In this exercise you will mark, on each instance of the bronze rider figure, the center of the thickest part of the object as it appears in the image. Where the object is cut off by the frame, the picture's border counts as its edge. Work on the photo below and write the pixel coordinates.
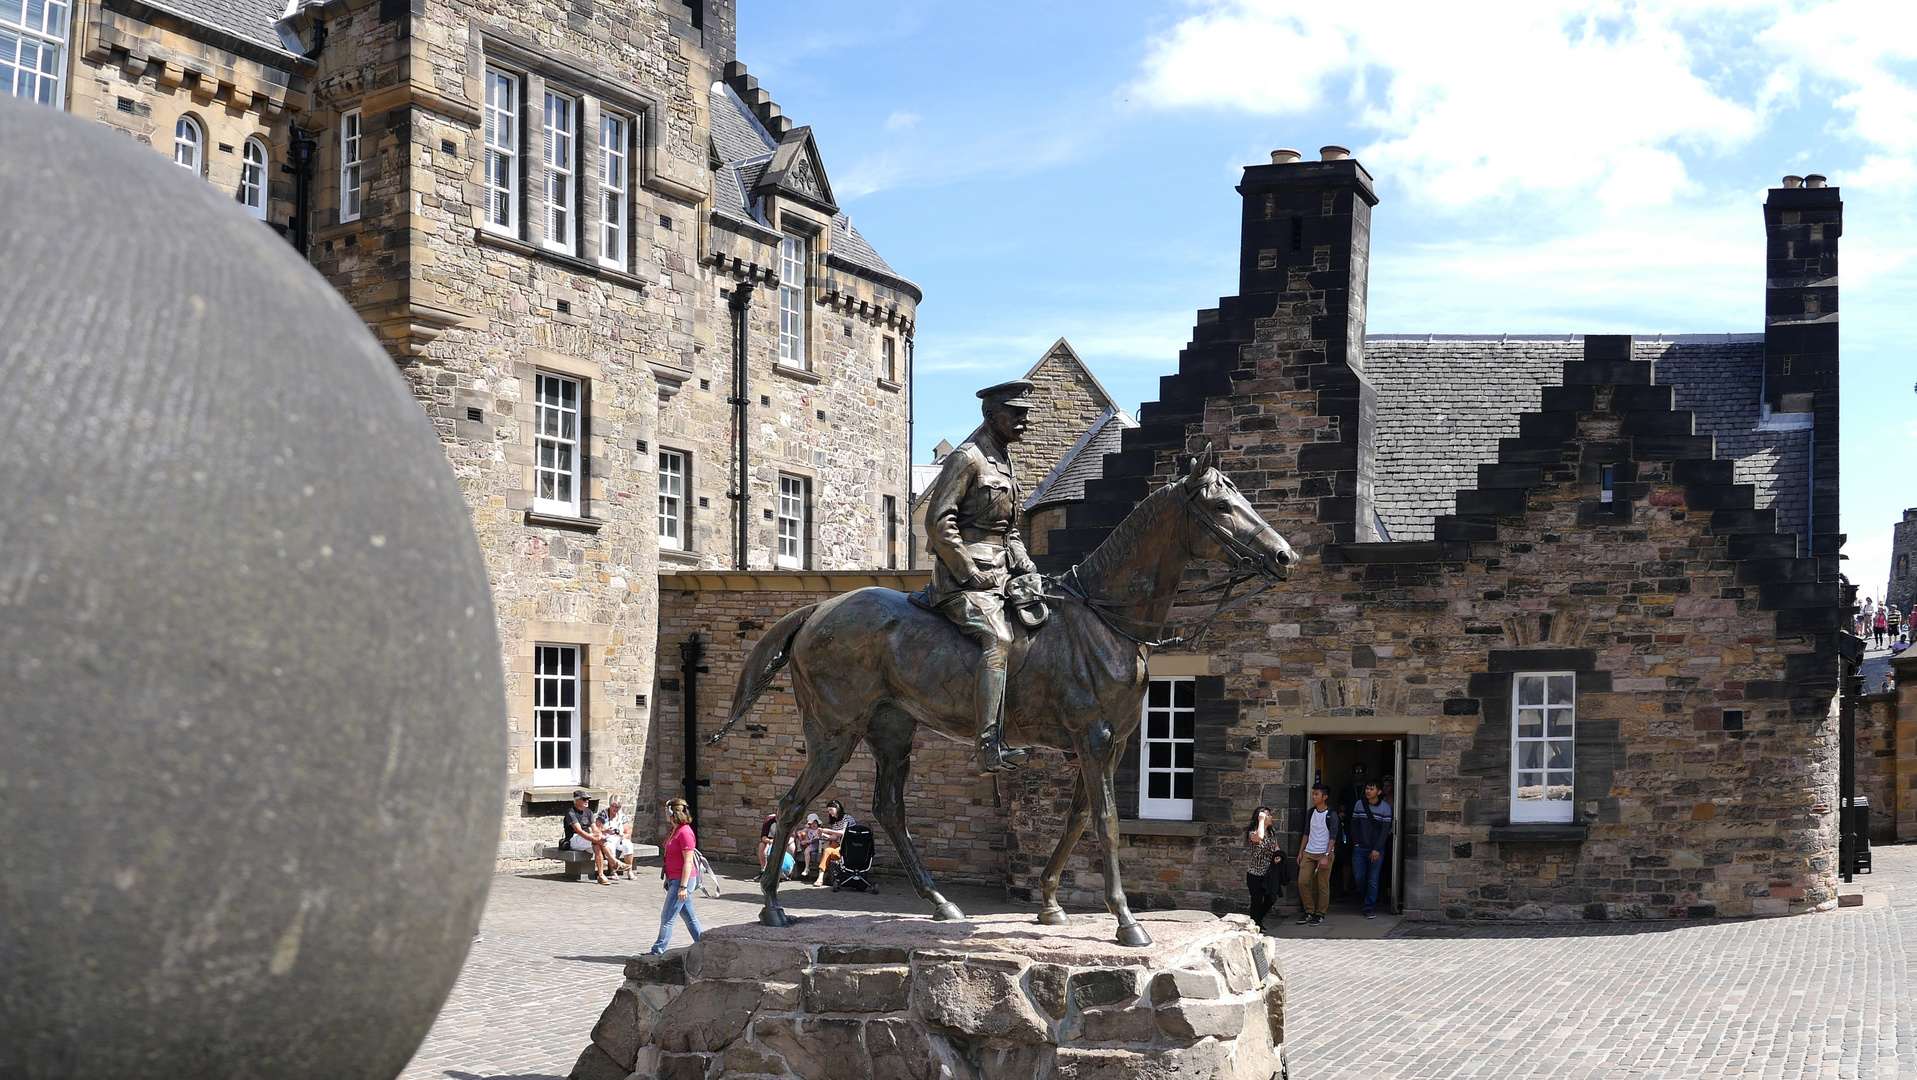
(971, 517)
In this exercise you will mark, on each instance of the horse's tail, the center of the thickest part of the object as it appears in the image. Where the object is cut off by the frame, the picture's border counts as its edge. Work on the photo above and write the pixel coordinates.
(772, 652)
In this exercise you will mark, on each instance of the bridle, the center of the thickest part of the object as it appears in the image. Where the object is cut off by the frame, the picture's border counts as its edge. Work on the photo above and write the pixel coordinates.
(1246, 565)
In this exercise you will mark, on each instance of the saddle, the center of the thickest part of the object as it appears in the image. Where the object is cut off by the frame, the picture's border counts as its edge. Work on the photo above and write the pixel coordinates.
(1024, 594)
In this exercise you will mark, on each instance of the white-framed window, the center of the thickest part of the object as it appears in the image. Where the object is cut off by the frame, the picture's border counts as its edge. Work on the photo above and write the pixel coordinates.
(792, 262)
(557, 475)
(555, 190)
(1167, 748)
(889, 509)
(612, 190)
(33, 38)
(791, 514)
(189, 145)
(252, 193)
(672, 500)
(889, 359)
(349, 159)
(1543, 725)
(502, 150)
(556, 715)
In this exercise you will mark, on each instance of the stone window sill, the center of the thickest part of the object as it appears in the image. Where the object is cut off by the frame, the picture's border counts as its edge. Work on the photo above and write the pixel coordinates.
(888, 384)
(1541, 832)
(801, 374)
(557, 258)
(561, 794)
(683, 558)
(1161, 828)
(561, 521)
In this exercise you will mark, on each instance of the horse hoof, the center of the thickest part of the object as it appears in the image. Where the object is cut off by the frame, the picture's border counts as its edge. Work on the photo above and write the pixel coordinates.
(947, 912)
(1134, 935)
(773, 916)
(1052, 916)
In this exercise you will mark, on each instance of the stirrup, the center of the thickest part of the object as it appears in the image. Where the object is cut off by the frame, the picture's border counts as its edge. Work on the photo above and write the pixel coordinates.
(994, 757)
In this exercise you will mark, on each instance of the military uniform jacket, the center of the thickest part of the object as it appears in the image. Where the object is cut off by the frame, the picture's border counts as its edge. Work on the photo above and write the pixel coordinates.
(971, 514)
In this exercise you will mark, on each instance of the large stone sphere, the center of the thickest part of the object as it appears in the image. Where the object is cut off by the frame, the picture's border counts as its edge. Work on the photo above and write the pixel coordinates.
(252, 720)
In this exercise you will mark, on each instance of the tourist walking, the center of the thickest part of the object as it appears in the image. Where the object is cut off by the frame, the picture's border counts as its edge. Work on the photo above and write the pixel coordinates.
(1315, 856)
(1370, 840)
(681, 872)
(1880, 625)
(1265, 866)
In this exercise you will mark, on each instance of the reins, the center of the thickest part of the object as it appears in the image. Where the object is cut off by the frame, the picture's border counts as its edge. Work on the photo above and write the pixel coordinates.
(1246, 561)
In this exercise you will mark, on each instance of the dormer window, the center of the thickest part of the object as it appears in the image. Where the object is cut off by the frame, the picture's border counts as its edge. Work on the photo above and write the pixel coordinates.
(792, 262)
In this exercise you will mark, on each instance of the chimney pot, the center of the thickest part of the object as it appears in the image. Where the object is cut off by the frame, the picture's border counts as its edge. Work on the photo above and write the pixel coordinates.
(1333, 153)
(1793, 181)
(1814, 180)
(1284, 157)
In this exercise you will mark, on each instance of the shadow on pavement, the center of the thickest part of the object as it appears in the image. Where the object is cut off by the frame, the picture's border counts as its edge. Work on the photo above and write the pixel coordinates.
(594, 959)
(1453, 931)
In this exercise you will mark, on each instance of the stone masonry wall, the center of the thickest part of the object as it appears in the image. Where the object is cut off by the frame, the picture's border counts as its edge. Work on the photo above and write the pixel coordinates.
(949, 808)
(1900, 590)
(139, 76)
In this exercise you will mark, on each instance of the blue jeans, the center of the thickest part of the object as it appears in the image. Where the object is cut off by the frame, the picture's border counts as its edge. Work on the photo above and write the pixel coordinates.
(675, 906)
(1367, 873)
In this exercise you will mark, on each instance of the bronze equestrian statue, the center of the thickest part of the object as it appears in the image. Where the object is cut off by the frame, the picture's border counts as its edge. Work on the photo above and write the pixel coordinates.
(971, 525)
(870, 664)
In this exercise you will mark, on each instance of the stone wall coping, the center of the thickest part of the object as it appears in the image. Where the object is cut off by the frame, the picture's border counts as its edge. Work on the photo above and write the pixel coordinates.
(802, 581)
(1163, 828)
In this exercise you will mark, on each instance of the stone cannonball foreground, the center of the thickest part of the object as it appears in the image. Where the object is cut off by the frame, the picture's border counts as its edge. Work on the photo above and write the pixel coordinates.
(992, 998)
(251, 701)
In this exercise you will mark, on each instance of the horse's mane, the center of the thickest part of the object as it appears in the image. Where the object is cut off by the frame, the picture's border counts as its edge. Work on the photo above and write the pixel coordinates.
(1122, 544)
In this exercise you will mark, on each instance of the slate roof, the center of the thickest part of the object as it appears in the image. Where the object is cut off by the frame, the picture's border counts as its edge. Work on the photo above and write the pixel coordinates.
(252, 21)
(745, 148)
(1084, 461)
(1444, 401)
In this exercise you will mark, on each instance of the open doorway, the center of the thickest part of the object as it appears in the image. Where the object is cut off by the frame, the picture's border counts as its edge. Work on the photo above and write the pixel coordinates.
(1335, 762)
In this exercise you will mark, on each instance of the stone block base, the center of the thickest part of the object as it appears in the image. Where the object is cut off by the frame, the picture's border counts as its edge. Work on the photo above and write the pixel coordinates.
(889, 997)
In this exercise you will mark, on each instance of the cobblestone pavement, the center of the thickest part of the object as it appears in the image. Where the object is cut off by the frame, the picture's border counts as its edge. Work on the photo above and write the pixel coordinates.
(1826, 995)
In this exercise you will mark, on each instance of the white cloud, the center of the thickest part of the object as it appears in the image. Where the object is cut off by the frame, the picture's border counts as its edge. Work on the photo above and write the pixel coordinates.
(1615, 99)
(901, 120)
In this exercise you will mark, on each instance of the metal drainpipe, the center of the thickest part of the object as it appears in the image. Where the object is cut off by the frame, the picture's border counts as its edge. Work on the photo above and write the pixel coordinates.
(911, 414)
(740, 302)
(1846, 766)
(302, 148)
(690, 651)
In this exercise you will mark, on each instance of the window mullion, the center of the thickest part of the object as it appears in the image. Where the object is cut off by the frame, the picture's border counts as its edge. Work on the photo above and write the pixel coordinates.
(532, 158)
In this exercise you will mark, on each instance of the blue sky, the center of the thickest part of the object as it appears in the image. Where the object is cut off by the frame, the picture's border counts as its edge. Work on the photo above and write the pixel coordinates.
(1047, 170)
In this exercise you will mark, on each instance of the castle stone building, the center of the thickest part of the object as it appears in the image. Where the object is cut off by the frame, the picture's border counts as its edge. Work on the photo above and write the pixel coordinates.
(614, 273)
(1577, 596)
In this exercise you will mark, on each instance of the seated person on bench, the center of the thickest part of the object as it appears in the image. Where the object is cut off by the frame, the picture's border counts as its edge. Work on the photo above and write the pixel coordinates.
(836, 822)
(615, 828)
(582, 833)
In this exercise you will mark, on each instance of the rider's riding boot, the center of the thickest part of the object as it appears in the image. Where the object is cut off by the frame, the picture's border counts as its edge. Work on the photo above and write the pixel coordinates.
(993, 756)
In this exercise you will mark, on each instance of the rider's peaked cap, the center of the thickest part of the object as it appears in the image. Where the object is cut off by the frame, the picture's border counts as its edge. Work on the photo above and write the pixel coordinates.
(1010, 393)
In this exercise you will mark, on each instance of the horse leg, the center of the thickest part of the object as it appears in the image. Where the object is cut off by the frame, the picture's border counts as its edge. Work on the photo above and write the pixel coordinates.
(890, 737)
(826, 754)
(1097, 757)
(1051, 914)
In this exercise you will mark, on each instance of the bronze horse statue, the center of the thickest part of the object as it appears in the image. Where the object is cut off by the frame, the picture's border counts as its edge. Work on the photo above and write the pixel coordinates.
(869, 664)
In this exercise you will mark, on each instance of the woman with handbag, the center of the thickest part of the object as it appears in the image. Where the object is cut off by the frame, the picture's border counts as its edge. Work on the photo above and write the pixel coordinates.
(1265, 872)
(681, 872)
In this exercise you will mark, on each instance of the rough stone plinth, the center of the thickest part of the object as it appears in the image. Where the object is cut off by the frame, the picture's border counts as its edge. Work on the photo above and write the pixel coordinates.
(885, 997)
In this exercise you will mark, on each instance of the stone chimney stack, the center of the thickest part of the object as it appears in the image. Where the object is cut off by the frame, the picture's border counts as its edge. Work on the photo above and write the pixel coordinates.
(1802, 223)
(1305, 248)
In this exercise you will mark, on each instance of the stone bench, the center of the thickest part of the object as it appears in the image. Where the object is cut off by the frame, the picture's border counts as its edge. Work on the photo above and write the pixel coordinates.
(891, 997)
(579, 863)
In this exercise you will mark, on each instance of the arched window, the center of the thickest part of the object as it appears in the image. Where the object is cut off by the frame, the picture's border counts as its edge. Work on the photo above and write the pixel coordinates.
(1903, 567)
(188, 144)
(252, 193)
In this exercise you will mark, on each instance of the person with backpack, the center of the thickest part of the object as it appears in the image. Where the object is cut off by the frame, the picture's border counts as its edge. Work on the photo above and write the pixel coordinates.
(1370, 839)
(681, 872)
(1316, 853)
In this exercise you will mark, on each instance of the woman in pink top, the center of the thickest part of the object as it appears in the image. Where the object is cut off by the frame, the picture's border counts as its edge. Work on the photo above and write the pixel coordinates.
(682, 871)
